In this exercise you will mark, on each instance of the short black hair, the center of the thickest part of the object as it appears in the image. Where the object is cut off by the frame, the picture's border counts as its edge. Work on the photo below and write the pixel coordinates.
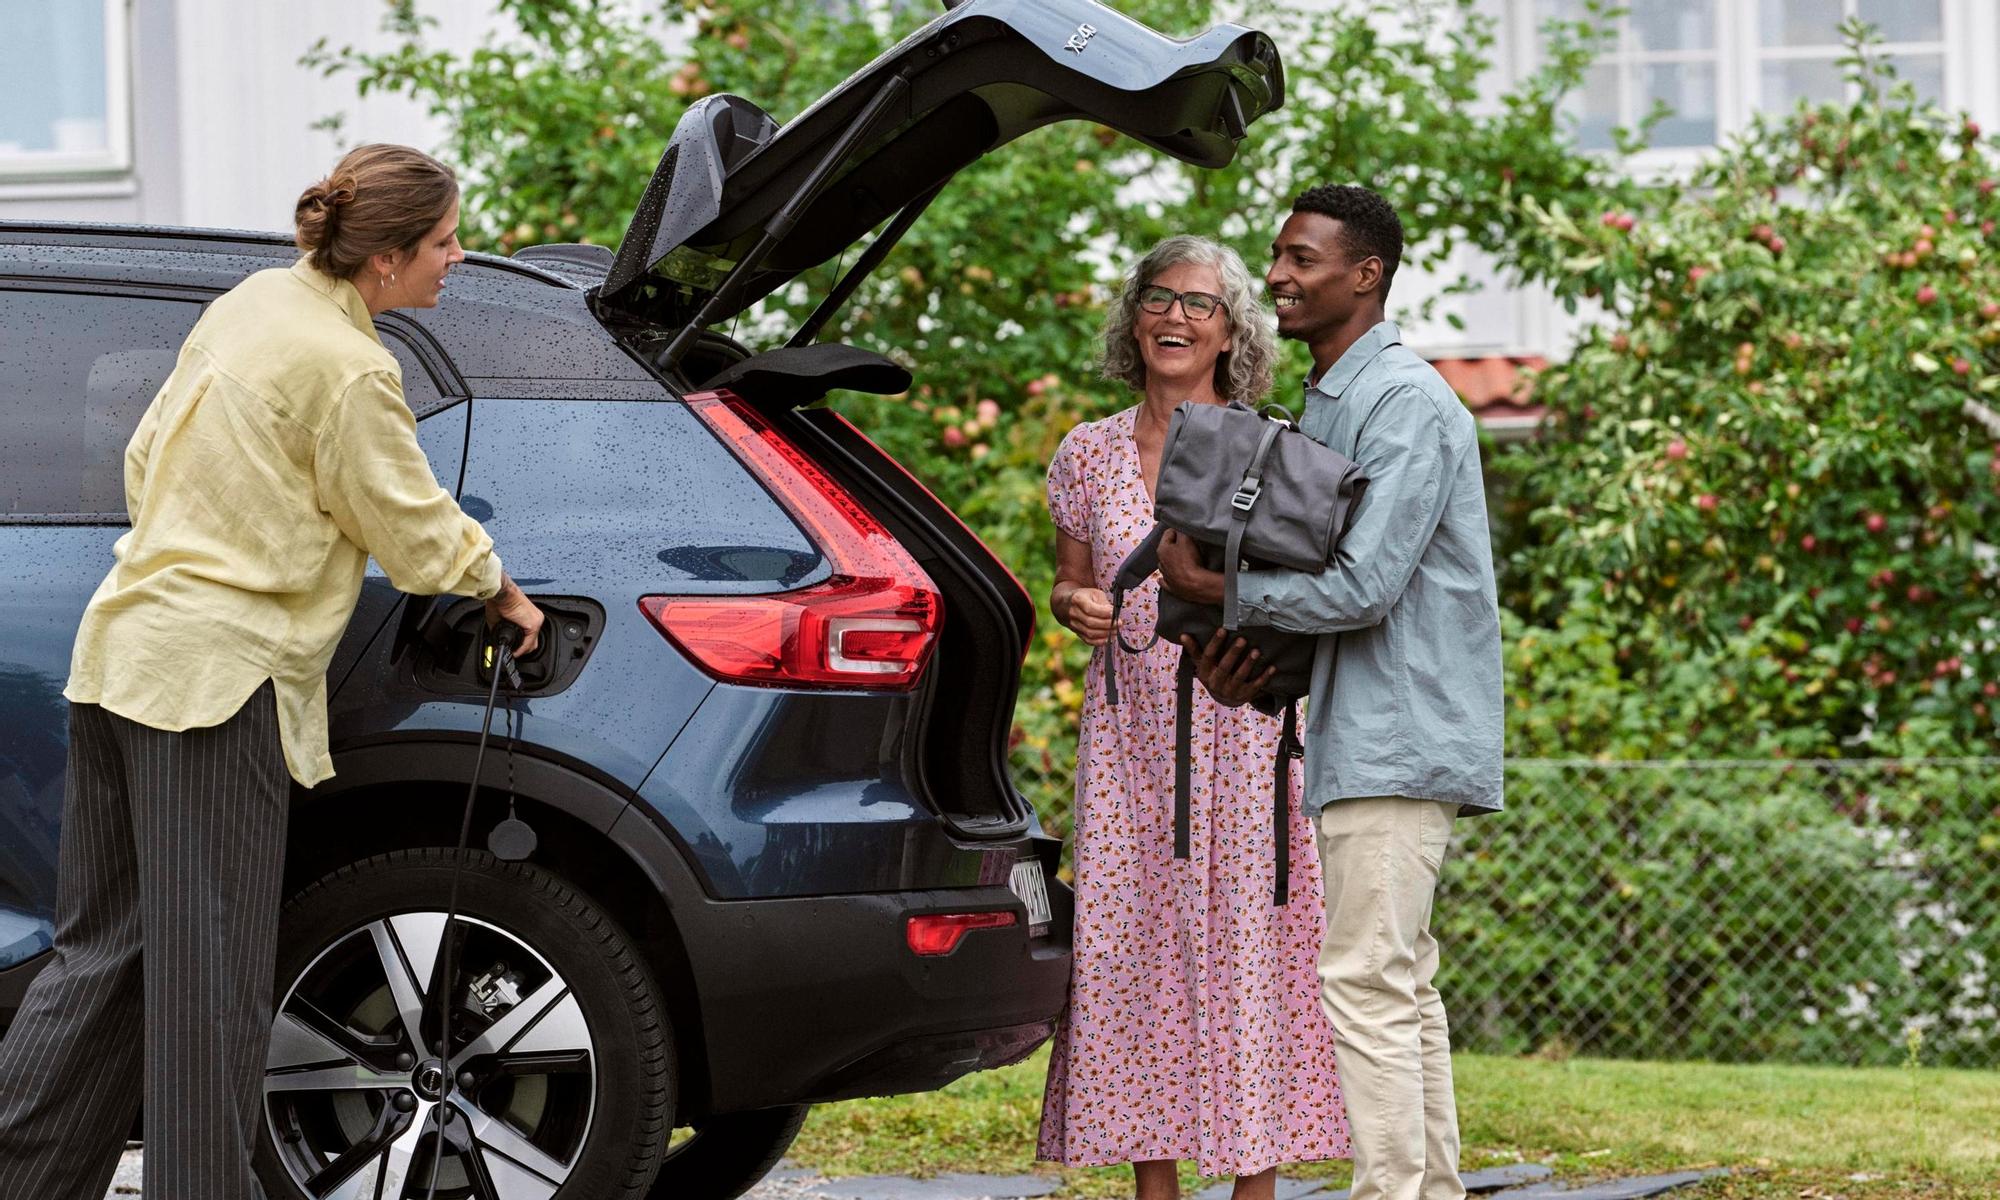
(1369, 226)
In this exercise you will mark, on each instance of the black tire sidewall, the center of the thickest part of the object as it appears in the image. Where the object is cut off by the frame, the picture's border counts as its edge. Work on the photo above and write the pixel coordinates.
(729, 1154)
(632, 1054)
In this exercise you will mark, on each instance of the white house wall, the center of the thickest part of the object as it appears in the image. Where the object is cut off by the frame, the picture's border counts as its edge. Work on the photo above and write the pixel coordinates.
(247, 108)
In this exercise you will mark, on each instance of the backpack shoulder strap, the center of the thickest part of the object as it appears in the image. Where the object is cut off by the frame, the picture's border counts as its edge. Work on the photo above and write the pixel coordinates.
(1281, 805)
(1183, 749)
(1240, 505)
(1138, 565)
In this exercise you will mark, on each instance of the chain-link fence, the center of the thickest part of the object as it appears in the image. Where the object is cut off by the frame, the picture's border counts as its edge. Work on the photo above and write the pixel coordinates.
(1734, 911)
(1802, 911)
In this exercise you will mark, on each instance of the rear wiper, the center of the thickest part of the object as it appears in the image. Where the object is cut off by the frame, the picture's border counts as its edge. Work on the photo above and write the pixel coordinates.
(782, 221)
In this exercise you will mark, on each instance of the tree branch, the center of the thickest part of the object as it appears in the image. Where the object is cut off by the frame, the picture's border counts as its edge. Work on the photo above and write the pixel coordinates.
(1980, 414)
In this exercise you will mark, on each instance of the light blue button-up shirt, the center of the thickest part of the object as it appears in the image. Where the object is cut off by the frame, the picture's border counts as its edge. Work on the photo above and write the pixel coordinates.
(1406, 694)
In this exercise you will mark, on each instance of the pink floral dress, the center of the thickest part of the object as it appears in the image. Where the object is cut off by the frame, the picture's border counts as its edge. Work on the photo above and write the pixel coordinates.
(1194, 1028)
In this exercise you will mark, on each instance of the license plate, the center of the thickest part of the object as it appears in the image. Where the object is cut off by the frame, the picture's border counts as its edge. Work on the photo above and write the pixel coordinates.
(1028, 884)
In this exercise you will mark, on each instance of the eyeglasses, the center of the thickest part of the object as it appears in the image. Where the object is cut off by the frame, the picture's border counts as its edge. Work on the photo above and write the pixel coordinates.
(1199, 306)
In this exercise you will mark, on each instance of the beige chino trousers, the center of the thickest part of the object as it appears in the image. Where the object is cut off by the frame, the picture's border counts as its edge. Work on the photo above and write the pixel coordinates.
(1380, 858)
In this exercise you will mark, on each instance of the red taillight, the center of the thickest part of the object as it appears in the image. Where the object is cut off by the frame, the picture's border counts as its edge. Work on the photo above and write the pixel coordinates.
(872, 624)
(933, 934)
(1026, 600)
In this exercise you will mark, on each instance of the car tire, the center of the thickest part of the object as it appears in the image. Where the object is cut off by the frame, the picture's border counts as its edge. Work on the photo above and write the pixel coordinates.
(728, 1154)
(561, 1042)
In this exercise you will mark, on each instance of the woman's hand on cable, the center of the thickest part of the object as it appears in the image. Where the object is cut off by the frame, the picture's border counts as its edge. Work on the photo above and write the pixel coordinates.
(1088, 614)
(512, 605)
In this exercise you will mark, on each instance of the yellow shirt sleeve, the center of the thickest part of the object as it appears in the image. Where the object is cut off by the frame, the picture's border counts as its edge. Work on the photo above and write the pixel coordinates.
(374, 481)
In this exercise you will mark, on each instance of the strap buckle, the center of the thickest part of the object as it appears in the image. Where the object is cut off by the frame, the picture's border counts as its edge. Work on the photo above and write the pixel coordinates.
(1246, 496)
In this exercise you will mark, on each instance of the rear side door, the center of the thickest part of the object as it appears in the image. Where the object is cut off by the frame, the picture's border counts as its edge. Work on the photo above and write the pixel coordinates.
(77, 368)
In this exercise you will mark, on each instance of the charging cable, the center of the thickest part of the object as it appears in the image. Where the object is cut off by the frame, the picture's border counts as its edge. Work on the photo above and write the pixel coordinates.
(505, 637)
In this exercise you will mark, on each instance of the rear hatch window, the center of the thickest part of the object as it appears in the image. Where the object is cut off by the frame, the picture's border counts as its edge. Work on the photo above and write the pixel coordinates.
(626, 490)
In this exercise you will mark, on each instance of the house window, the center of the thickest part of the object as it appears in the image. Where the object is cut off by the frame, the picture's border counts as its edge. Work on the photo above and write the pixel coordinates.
(1798, 47)
(68, 83)
(1665, 52)
(1717, 63)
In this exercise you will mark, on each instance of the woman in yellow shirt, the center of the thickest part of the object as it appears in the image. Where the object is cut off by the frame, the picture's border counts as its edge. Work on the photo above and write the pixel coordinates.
(277, 457)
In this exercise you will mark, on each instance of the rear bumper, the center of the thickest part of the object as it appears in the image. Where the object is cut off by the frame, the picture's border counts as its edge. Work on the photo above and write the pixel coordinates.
(814, 999)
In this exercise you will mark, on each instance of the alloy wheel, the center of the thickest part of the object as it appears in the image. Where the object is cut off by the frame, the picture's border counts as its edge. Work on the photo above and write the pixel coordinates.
(354, 1081)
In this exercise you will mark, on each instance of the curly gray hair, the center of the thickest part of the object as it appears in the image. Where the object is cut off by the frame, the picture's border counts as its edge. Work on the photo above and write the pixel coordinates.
(1243, 374)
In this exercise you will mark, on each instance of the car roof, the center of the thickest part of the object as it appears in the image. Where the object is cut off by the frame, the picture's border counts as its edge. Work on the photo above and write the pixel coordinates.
(510, 328)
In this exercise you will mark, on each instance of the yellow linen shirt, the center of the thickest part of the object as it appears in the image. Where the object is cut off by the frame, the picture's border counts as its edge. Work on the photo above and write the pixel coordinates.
(276, 458)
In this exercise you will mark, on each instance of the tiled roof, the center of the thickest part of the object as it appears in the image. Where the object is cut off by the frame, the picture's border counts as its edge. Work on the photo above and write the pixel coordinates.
(1495, 389)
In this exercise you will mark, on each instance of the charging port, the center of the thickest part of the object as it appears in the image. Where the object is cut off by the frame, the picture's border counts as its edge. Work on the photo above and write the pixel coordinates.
(451, 650)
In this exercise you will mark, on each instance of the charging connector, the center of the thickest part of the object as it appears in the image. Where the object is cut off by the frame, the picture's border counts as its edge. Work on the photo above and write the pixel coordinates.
(498, 656)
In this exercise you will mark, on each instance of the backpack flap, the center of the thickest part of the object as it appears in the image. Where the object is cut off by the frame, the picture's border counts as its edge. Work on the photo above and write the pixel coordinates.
(1303, 495)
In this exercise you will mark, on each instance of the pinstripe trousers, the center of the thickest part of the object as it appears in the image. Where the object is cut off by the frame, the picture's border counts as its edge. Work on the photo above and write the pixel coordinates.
(160, 982)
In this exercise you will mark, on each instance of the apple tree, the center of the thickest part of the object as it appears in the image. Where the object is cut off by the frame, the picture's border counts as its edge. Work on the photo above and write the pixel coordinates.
(1762, 519)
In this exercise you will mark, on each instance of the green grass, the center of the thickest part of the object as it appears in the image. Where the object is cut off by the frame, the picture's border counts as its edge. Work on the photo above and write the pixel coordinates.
(1792, 1132)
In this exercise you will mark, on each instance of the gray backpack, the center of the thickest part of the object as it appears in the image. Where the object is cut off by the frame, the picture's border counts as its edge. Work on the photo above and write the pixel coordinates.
(1255, 491)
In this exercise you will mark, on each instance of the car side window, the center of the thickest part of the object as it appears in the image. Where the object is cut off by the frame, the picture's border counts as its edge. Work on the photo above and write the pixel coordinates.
(76, 372)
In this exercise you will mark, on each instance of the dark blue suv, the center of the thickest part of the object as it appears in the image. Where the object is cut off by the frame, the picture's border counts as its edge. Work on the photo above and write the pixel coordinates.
(778, 857)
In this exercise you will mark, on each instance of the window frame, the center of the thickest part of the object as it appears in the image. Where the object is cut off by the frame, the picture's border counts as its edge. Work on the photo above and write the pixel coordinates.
(116, 158)
(1757, 54)
(1630, 60)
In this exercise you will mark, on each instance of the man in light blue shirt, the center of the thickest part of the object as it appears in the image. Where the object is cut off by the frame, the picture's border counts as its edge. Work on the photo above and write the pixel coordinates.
(1403, 726)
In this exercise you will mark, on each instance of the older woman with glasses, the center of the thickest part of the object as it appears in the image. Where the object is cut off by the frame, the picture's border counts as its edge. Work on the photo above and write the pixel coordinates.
(1194, 1028)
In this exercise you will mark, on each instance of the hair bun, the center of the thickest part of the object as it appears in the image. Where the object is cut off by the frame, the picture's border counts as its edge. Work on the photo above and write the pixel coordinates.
(329, 197)
(408, 193)
(319, 208)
